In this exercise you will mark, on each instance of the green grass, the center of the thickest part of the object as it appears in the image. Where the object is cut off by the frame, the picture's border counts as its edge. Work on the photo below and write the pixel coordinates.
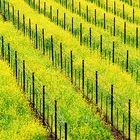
(118, 78)
(80, 52)
(135, 3)
(125, 86)
(128, 10)
(131, 28)
(17, 121)
(82, 122)
(120, 49)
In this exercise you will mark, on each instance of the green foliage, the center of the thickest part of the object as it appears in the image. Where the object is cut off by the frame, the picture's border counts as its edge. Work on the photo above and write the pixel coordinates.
(71, 106)
(16, 119)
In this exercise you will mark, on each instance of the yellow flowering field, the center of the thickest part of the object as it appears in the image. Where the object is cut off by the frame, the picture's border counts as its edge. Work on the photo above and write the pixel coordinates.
(17, 121)
(87, 57)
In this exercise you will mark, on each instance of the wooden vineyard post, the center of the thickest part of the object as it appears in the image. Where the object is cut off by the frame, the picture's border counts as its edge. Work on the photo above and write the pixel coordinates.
(101, 45)
(114, 7)
(137, 37)
(52, 47)
(114, 33)
(83, 77)
(18, 19)
(72, 26)
(130, 2)
(124, 32)
(65, 131)
(123, 12)
(106, 5)
(13, 10)
(24, 76)
(136, 132)
(24, 24)
(8, 11)
(4, 9)
(127, 57)
(43, 40)
(96, 88)
(79, 8)
(95, 17)
(36, 36)
(81, 34)
(9, 54)
(129, 119)
(66, 4)
(57, 16)
(79, 76)
(64, 21)
(39, 6)
(44, 8)
(30, 30)
(99, 3)
(61, 57)
(111, 105)
(72, 6)
(2, 48)
(55, 120)
(0, 5)
(43, 106)
(33, 90)
(133, 15)
(87, 12)
(90, 37)
(51, 12)
(113, 53)
(104, 22)
(71, 59)
(16, 64)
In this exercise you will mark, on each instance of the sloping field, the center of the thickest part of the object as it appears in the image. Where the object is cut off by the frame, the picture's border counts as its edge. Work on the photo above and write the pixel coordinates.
(58, 88)
(17, 121)
(85, 55)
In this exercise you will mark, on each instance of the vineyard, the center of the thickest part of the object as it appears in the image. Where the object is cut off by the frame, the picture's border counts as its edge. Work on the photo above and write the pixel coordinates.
(69, 70)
